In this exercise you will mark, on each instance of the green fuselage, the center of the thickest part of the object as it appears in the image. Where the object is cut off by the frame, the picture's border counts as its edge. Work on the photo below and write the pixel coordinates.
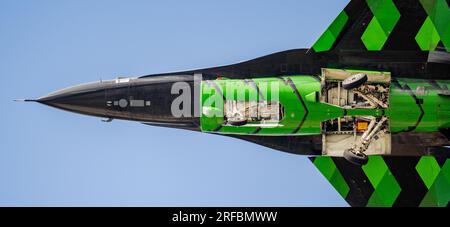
(414, 105)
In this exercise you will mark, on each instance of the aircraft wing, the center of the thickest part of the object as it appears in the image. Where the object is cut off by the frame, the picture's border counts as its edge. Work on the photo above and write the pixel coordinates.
(409, 38)
(390, 181)
(388, 25)
(380, 29)
(418, 175)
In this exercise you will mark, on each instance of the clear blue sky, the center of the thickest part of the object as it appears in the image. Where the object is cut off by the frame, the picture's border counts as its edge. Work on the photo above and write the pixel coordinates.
(49, 157)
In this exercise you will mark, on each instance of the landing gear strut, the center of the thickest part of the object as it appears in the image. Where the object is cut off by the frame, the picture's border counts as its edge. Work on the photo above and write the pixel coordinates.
(357, 134)
(356, 154)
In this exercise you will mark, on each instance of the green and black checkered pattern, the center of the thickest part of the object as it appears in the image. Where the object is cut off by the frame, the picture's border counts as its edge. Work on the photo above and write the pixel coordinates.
(376, 25)
(390, 181)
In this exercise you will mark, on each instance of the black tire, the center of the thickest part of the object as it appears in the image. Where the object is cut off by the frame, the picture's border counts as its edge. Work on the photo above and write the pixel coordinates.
(359, 159)
(354, 81)
(238, 123)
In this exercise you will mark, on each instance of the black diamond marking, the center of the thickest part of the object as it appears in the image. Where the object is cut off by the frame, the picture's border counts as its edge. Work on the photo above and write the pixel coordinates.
(413, 189)
(418, 103)
(402, 36)
(359, 17)
(442, 157)
(291, 83)
(360, 187)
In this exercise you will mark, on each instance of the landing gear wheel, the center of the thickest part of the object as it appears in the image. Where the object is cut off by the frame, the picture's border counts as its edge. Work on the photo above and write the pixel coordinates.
(354, 81)
(355, 158)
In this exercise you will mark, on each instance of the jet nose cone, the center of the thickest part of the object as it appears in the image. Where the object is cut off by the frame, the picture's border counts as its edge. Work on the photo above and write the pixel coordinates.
(85, 99)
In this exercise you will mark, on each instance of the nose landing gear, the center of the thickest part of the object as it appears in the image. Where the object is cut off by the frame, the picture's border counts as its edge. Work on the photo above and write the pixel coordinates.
(356, 154)
(359, 159)
(356, 136)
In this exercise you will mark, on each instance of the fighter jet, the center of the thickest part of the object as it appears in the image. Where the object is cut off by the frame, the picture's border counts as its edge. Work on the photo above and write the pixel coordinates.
(368, 103)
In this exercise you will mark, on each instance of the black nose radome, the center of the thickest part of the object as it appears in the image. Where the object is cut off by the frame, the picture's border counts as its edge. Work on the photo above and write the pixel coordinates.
(85, 99)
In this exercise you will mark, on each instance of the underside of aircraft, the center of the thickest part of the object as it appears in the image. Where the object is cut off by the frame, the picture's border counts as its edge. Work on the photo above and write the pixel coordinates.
(368, 103)
(403, 48)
